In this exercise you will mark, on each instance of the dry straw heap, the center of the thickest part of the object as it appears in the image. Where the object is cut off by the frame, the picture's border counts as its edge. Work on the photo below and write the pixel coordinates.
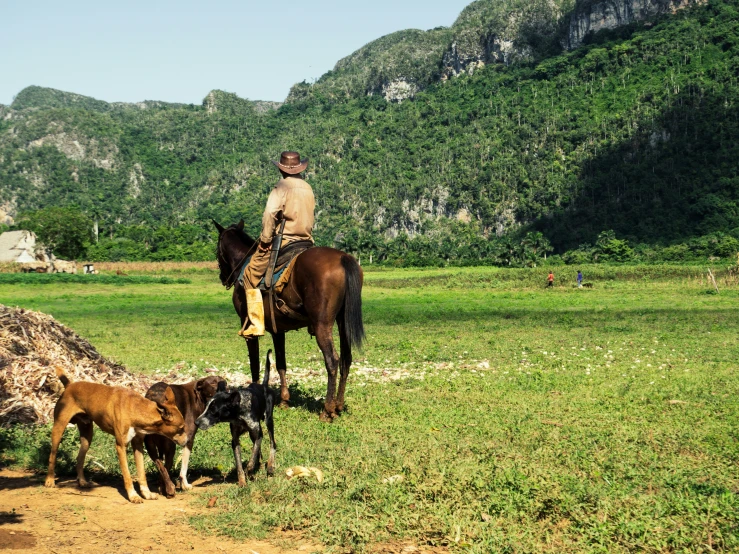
(32, 344)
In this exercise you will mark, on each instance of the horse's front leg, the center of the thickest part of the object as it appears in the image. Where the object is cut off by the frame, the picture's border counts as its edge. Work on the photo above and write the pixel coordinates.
(253, 346)
(278, 339)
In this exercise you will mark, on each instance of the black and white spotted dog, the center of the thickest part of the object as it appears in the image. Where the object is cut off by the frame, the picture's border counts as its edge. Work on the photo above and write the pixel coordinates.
(244, 409)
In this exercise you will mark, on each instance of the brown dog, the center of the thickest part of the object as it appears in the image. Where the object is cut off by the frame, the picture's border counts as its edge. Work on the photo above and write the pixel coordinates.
(126, 415)
(191, 400)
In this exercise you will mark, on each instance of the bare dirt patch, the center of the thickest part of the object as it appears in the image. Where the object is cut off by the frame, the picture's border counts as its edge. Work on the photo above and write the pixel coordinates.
(69, 519)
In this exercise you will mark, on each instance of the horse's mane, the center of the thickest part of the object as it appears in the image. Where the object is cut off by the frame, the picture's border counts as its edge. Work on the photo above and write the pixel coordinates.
(246, 239)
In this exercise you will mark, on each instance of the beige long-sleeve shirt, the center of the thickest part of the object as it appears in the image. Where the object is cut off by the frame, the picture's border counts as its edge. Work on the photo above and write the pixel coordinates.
(292, 198)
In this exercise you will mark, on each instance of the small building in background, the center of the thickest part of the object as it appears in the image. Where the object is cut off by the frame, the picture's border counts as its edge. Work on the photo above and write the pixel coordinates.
(18, 246)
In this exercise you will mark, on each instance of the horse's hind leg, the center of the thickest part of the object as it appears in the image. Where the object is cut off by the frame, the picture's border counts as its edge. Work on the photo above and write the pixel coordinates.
(278, 339)
(345, 361)
(325, 340)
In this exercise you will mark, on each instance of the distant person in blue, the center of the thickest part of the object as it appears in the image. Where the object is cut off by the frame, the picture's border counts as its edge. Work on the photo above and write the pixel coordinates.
(579, 279)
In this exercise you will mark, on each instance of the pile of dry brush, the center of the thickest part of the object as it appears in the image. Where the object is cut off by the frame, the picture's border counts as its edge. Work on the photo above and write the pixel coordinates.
(32, 345)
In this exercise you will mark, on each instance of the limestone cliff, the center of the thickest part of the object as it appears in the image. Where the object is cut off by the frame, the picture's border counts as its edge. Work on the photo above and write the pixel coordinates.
(502, 32)
(399, 65)
(591, 16)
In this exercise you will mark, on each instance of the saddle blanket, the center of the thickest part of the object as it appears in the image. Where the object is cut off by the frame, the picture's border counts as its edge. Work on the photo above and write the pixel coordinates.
(283, 267)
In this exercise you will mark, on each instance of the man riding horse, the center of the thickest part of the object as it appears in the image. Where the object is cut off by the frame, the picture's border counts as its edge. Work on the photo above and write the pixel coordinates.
(291, 202)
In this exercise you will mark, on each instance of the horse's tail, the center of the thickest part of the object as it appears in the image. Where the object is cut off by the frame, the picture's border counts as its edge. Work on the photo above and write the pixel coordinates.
(353, 326)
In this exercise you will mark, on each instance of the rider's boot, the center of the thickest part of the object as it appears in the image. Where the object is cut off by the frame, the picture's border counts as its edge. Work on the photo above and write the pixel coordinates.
(255, 309)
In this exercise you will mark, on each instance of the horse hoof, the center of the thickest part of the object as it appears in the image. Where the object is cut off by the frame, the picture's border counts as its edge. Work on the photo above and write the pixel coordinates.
(284, 405)
(326, 417)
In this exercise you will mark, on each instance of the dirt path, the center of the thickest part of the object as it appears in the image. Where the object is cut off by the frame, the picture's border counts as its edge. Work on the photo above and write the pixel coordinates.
(68, 519)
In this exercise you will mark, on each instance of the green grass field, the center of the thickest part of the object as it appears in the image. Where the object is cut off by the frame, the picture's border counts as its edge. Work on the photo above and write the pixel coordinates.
(525, 419)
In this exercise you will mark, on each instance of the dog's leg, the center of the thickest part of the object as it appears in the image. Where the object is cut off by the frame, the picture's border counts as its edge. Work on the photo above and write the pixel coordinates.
(186, 450)
(236, 445)
(120, 449)
(169, 449)
(158, 447)
(62, 416)
(270, 431)
(138, 456)
(255, 433)
(86, 430)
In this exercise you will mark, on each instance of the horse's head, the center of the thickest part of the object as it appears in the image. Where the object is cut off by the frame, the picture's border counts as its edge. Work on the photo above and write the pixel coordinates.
(233, 247)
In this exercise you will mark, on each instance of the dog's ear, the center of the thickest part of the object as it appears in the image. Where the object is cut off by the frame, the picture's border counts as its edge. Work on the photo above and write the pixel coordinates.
(221, 386)
(168, 396)
(165, 404)
(235, 398)
(164, 413)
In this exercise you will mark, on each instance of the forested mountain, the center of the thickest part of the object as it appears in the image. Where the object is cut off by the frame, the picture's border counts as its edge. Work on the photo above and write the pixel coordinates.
(633, 131)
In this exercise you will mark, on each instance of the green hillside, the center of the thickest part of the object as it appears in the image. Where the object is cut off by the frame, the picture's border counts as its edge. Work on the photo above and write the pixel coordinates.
(634, 132)
(42, 97)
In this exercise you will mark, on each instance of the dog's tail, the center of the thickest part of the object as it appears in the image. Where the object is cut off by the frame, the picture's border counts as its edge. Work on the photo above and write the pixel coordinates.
(267, 365)
(62, 376)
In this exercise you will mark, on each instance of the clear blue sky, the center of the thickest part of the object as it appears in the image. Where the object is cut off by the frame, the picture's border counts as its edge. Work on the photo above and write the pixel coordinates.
(178, 51)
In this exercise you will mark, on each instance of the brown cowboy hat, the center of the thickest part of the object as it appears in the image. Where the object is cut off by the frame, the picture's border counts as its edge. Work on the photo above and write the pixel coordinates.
(291, 163)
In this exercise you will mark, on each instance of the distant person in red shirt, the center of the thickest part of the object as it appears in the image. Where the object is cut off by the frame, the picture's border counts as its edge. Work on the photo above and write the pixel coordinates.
(550, 280)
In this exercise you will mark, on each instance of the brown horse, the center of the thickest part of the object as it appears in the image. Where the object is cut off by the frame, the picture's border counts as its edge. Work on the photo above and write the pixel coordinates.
(325, 286)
